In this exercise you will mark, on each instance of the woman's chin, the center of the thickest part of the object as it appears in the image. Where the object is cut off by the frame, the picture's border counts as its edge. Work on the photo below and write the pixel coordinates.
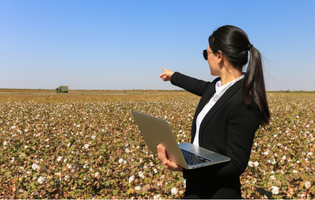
(213, 74)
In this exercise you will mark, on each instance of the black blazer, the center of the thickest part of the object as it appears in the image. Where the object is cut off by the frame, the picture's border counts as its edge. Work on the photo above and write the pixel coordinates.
(228, 128)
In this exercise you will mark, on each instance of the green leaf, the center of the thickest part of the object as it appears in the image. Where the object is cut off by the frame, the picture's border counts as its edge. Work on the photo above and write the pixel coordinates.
(115, 192)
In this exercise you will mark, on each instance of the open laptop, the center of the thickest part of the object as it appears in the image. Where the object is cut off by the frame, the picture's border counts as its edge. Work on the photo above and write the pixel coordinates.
(157, 131)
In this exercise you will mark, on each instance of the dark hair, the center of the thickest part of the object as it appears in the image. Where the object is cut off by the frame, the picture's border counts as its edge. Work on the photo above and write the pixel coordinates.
(234, 44)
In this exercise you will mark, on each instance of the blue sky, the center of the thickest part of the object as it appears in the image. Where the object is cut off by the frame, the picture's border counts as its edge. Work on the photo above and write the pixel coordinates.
(116, 44)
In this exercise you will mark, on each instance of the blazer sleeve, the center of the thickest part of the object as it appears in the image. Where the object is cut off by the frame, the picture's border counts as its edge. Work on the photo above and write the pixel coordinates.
(193, 85)
(242, 124)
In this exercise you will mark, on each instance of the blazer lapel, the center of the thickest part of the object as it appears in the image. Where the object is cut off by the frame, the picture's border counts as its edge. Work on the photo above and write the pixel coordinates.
(206, 96)
(204, 99)
(226, 96)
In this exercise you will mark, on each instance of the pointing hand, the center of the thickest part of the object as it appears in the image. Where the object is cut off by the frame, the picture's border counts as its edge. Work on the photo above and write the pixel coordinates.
(166, 75)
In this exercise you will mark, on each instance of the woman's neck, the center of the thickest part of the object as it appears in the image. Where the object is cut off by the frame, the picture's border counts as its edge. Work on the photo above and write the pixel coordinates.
(229, 74)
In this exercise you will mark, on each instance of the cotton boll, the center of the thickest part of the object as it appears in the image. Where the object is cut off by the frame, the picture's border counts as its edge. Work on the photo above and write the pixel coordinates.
(174, 191)
(157, 197)
(274, 190)
(41, 179)
(131, 178)
(138, 187)
(67, 177)
(256, 164)
(307, 184)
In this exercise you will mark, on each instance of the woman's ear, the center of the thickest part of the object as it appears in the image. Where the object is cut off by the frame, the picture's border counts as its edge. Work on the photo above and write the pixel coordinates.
(219, 52)
(220, 56)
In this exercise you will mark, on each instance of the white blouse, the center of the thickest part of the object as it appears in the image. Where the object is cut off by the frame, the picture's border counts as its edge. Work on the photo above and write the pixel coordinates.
(219, 92)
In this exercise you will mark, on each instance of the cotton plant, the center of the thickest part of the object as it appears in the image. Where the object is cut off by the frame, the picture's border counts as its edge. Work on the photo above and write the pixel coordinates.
(88, 146)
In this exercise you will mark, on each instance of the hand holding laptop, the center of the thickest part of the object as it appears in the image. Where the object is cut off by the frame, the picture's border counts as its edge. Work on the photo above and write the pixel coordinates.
(168, 164)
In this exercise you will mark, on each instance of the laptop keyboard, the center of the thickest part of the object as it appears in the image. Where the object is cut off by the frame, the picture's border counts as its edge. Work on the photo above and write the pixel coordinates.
(193, 159)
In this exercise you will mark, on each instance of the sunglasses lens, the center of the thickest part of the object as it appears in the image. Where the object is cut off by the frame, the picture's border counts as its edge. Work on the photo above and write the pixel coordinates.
(205, 54)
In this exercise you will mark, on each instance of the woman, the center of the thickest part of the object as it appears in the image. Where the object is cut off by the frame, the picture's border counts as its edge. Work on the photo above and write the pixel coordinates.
(230, 110)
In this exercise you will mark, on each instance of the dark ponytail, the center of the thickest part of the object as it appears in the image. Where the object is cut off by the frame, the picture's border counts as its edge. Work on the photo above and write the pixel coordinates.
(254, 84)
(234, 45)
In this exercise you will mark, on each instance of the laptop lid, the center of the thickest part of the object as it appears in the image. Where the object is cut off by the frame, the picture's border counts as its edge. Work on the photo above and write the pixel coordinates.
(157, 131)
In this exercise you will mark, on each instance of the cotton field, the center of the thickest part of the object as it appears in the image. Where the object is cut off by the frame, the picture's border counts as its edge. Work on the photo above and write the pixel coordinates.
(85, 144)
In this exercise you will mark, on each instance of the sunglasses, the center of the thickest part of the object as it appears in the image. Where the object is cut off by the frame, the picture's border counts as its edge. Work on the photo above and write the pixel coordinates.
(205, 54)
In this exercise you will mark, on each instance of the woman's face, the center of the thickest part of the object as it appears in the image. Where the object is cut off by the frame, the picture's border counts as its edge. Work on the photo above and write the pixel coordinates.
(213, 63)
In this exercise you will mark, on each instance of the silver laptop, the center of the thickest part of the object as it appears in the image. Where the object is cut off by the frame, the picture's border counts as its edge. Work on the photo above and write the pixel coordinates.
(157, 131)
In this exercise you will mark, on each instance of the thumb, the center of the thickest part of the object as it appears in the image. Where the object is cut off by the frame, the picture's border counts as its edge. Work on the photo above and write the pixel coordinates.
(170, 165)
(164, 73)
